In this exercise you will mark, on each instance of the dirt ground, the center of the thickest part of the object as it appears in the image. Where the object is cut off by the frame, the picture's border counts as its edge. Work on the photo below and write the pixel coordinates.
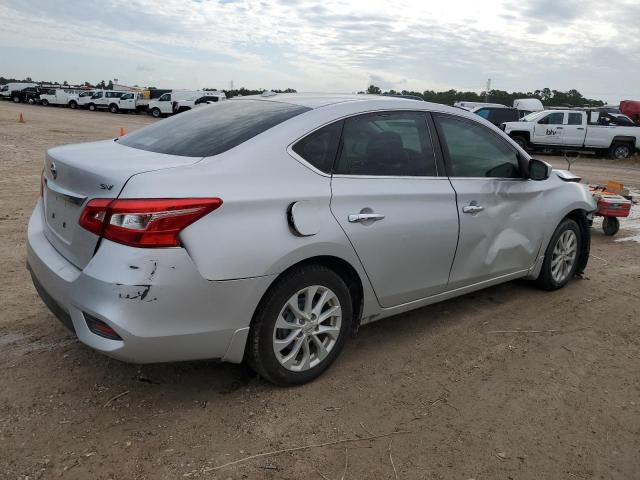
(466, 400)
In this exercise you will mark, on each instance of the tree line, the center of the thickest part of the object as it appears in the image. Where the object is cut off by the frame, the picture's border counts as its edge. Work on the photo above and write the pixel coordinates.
(548, 97)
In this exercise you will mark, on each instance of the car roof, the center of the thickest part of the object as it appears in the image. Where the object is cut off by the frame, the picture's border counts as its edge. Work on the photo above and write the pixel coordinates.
(319, 100)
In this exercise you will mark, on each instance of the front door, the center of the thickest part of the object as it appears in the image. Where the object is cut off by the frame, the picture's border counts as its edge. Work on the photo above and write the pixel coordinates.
(499, 210)
(399, 215)
(548, 130)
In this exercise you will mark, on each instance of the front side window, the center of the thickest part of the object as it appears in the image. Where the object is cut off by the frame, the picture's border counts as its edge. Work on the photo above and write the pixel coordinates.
(474, 151)
(555, 118)
(165, 97)
(575, 119)
(320, 147)
(97, 95)
(203, 132)
(391, 144)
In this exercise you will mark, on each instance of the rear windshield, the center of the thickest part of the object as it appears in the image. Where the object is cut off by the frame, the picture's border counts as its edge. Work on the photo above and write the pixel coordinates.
(211, 130)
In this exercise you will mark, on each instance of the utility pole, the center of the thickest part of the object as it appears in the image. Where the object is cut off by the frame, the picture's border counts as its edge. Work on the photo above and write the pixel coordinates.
(487, 90)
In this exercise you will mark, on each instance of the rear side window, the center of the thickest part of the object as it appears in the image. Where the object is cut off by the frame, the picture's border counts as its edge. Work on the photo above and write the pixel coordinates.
(389, 144)
(204, 132)
(484, 113)
(320, 147)
(474, 151)
(575, 119)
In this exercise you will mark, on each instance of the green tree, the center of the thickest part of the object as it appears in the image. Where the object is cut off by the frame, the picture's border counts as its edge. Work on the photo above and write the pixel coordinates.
(374, 90)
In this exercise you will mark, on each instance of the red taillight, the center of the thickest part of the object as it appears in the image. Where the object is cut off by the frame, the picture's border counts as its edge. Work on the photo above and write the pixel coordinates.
(154, 222)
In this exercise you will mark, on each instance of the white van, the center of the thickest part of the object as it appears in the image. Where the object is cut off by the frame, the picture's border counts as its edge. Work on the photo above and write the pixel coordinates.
(164, 104)
(5, 90)
(528, 105)
(60, 96)
(105, 99)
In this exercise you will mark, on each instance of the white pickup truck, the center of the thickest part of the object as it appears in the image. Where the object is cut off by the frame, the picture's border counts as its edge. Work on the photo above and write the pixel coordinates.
(128, 102)
(574, 130)
(181, 100)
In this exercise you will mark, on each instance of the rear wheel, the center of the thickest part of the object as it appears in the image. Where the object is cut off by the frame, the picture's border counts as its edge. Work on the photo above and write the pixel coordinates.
(610, 225)
(45, 102)
(92, 107)
(561, 256)
(113, 108)
(300, 326)
(73, 104)
(521, 141)
(620, 150)
(16, 99)
(156, 112)
(31, 101)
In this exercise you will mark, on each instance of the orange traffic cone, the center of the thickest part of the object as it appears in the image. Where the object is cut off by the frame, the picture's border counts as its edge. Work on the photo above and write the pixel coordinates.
(121, 131)
(21, 119)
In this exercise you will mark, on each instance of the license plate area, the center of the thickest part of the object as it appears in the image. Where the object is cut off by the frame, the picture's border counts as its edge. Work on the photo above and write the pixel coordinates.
(62, 211)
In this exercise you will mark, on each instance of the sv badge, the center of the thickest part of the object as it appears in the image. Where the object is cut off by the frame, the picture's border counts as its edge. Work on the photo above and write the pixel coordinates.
(106, 186)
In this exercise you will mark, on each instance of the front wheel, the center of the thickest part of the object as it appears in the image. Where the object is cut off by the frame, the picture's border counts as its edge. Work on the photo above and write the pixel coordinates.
(156, 112)
(521, 141)
(16, 99)
(92, 107)
(31, 101)
(113, 108)
(73, 104)
(300, 326)
(561, 256)
(45, 102)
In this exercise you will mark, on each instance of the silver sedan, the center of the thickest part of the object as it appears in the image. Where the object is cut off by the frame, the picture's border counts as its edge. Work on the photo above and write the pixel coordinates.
(268, 229)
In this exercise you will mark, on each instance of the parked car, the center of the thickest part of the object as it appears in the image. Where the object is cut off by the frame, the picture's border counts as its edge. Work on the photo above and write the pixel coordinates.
(471, 105)
(129, 102)
(182, 105)
(267, 229)
(167, 102)
(60, 96)
(105, 100)
(497, 115)
(575, 130)
(84, 98)
(29, 95)
(7, 89)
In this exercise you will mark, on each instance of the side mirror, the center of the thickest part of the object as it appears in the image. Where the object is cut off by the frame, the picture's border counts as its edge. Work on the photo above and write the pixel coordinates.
(539, 170)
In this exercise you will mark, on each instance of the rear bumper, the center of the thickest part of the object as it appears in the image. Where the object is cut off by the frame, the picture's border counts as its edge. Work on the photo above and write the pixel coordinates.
(155, 299)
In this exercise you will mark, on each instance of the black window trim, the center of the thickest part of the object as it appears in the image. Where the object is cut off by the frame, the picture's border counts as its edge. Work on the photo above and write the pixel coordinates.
(440, 169)
(522, 161)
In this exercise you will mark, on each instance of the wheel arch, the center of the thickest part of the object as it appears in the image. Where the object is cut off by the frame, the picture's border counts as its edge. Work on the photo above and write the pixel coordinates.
(344, 269)
(521, 133)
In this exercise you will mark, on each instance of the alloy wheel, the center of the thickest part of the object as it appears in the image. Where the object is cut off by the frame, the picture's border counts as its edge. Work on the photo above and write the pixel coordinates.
(307, 328)
(621, 151)
(564, 255)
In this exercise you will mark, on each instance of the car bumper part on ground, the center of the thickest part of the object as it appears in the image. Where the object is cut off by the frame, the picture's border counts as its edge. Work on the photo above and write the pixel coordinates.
(155, 299)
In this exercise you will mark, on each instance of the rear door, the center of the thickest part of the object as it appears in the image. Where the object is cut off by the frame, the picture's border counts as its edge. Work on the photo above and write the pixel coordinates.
(575, 128)
(499, 211)
(399, 215)
(548, 129)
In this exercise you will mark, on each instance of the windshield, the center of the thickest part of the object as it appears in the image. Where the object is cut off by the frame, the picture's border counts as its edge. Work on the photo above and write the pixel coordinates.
(204, 132)
(532, 116)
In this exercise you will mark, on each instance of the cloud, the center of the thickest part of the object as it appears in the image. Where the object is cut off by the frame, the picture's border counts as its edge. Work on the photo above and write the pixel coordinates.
(333, 46)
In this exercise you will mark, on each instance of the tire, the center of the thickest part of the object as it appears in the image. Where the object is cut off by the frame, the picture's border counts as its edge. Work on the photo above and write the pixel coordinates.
(556, 272)
(31, 101)
(92, 107)
(156, 112)
(73, 104)
(620, 150)
(113, 108)
(610, 225)
(521, 141)
(45, 102)
(300, 359)
(16, 99)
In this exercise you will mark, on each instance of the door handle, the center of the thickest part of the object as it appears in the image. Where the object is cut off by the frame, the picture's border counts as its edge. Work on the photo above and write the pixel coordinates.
(472, 209)
(559, 128)
(580, 128)
(363, 217)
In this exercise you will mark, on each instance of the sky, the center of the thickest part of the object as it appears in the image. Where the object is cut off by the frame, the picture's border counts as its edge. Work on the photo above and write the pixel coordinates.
(330, 46)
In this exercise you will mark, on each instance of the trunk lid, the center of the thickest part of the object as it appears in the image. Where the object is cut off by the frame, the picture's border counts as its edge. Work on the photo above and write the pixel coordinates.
(74, 174)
